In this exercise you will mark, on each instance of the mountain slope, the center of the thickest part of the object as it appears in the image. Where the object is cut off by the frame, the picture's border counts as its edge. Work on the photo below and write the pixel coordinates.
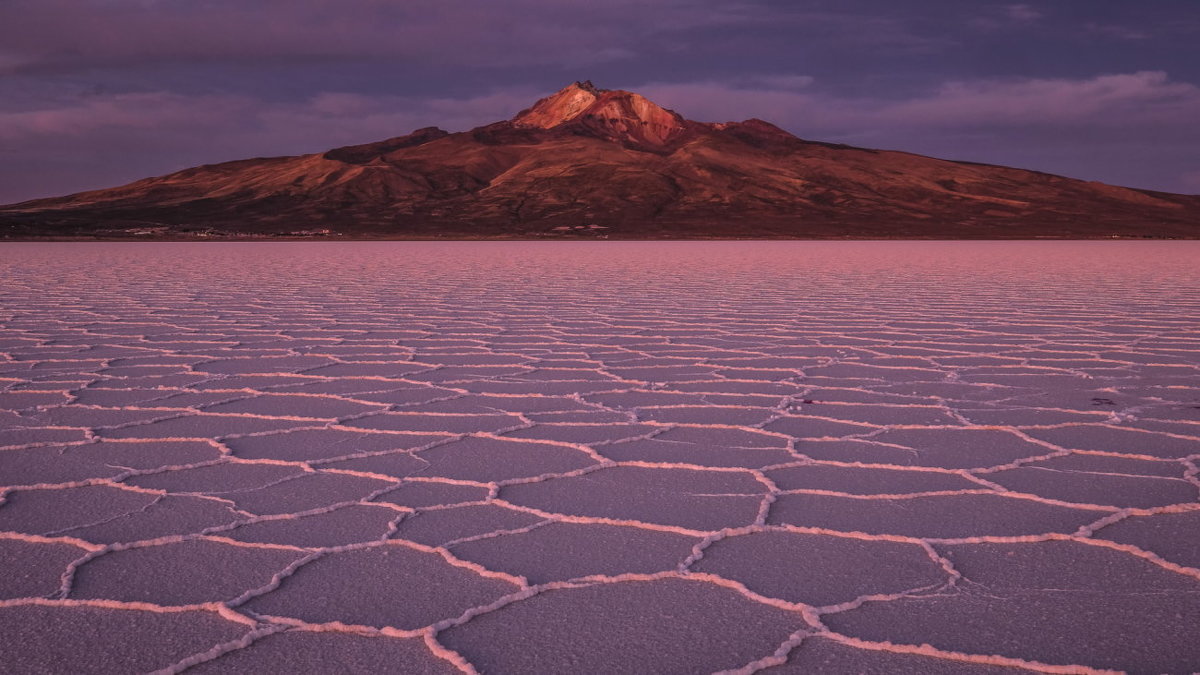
(593, 162)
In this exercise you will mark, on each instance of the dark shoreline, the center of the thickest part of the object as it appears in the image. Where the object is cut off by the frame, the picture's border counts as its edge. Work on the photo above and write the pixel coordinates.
(253, 239)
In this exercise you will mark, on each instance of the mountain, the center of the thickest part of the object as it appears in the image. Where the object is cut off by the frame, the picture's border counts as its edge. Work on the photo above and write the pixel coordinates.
(589, 162)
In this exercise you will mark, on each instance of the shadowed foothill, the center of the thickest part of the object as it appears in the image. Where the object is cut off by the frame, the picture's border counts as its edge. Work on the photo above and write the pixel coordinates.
(591, 163)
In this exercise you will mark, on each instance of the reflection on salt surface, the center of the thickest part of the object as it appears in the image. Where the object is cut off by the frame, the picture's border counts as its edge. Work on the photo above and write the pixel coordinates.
(868, 450)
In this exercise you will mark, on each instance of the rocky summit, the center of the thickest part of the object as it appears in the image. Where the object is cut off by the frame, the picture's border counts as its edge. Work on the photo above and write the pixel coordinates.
(587, 162)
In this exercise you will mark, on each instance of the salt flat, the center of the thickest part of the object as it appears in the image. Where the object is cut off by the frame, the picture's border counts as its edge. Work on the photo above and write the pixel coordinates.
(610, 457)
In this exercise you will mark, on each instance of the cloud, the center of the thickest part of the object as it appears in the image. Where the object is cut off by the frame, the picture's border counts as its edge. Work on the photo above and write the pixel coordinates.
(92, 140)
(1109, 100)
(82, 36)
(135, 112)
(1190, 182)
(1055, 124)
(1127, 128)
(1006, 17)
(1117, 99)
(73, 34)
(1022, 13)
(781, 81)
(326, 118)
(1130, 101)
(1115, 31)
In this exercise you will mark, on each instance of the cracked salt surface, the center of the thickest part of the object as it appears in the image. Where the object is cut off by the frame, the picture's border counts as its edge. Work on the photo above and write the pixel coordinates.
(619, 457)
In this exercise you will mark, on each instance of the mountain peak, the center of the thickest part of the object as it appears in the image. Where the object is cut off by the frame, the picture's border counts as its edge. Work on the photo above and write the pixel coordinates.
(587, 85)
(614, 115)
(560, 107)
(592, 162)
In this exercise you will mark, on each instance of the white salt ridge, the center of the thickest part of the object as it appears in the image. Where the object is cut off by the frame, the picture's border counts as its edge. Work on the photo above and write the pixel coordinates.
(651, 389)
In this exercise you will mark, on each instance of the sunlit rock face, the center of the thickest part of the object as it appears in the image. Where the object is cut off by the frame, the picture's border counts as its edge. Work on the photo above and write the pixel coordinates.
(619, 116)
(563, 106)
(587, 162)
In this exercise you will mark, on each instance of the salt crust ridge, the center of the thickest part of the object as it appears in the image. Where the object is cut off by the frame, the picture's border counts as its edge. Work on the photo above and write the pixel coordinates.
(29, 347)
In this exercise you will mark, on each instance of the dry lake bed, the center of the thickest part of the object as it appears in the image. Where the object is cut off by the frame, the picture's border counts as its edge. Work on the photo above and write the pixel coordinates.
(604, 457)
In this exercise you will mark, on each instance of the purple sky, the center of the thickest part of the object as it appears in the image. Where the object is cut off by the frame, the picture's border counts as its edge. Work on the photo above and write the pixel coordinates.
(95, 93)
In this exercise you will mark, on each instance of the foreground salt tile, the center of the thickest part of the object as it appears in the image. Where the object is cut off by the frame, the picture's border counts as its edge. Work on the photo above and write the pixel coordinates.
(1097, 488)
(264, 364)
(1186, 430)
(147, 455)
(703, 500)
(416, 494)
(639, 399)
(707, 454)
(497, 459)
(178, 380)
(184, 573)
(880, 395)
(308, 491)
(867, 481)
(203, 425)
(710, 414)
(436, 527)
(250, 383)
(357, 523)
(666, 625)
(1120, 440)
(216, 479)
(455, 424)
(1045, 602)
(195, 399)
(842, 371)
(809, 426)
(736, 387)
(880, 415)
(25, 436)
(339, 653)
(92, 418)
(1170, 535)
(1111, 464)
(169, 516)
(547, 388)
(451, 375)
(390, 394)
(962, 448)
(98, 638)
(33, 466)
(708, 434)
(322, 444)
(50, 511)
(33, 567)
(122, 397)
(585, 417)
(388, 464)
(562, 551)
(23, 400)
(493, 404)
(396, 370)
(943, 516)
(823, 655)
(384, 586)
(1024, 416)
(294, 405)
(817, 572)
(583, 433)
(855, 450)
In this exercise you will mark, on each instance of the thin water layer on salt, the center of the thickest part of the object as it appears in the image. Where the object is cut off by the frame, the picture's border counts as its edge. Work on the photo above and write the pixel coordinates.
(701, 456)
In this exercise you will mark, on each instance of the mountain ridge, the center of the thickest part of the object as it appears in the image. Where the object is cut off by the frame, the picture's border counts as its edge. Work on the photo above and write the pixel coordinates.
(592, 162)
